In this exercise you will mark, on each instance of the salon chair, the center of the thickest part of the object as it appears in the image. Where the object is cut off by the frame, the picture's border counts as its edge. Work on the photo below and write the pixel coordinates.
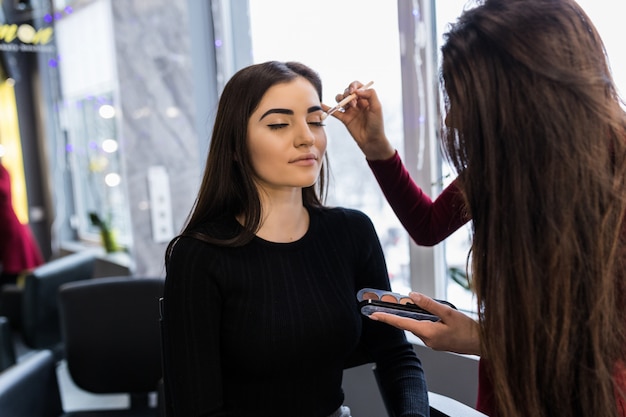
(29, 388)
(110, 329)
(40, 313)
(7, 346)
(11, 304)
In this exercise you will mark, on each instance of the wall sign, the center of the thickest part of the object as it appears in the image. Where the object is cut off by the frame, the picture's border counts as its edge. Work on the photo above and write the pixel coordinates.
(25, 38)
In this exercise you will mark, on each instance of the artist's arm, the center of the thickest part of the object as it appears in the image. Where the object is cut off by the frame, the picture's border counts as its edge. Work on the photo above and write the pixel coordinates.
(427, 222)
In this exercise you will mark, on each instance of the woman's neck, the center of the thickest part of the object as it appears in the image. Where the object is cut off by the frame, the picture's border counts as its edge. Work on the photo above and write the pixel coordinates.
(284, 218)
(284, 223)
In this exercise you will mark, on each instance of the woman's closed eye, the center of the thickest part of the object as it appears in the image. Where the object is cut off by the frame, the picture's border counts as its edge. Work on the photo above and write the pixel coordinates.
(276, 126)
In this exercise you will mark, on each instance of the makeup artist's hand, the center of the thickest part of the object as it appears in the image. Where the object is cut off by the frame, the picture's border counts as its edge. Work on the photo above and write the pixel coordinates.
(364, 119)
(455, 332)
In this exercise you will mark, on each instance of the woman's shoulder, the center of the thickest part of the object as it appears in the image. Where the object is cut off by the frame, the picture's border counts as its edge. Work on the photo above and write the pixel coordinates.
(203, 237)
(187, 247)
(342, 215)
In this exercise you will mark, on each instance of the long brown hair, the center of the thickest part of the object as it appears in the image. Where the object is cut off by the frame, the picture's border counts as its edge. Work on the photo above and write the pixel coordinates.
(228, 187)
(536, 132)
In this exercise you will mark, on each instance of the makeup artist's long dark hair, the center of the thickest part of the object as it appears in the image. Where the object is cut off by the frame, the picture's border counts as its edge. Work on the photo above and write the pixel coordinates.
(537, 135)
(228, 188)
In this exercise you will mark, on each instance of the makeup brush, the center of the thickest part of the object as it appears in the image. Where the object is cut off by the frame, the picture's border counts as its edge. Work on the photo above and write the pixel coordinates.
(345, 101)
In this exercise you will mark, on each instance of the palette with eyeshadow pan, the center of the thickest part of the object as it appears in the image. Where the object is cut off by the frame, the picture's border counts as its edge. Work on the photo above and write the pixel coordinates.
(372, 300)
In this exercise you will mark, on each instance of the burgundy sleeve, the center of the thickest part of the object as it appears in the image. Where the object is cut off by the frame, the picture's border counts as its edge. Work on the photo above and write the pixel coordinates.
(427, 222)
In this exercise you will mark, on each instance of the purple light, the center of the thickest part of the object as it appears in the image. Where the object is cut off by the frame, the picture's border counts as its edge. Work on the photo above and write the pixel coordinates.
(93, 145)
(69, 148)
(53, 63)
(58, 16)
(218, 43)
(47, 18)
(69, 10)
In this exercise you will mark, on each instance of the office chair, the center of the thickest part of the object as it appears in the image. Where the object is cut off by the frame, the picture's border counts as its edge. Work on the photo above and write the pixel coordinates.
(111, 334)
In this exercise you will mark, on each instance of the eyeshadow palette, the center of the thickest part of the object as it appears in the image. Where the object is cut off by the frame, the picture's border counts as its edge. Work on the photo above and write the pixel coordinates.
(372, 300)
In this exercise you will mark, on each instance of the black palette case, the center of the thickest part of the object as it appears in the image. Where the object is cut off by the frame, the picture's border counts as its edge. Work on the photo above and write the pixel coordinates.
(373, 300)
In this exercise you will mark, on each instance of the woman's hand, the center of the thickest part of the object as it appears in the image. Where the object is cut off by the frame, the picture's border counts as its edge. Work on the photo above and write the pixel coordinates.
(364, 119)
(455, 332)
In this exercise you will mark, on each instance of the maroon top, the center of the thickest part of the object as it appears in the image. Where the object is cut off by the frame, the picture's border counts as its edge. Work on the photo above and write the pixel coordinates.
(18, 249)
(427, 222)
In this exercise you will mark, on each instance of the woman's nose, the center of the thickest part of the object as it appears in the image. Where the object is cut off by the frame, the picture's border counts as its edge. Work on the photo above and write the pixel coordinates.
(304, 136)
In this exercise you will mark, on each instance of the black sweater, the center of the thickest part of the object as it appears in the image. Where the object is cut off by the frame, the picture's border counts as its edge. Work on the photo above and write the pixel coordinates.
(265, 329)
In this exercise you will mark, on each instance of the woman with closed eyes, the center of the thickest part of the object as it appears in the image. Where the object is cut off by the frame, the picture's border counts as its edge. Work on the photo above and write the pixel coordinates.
(260, 310)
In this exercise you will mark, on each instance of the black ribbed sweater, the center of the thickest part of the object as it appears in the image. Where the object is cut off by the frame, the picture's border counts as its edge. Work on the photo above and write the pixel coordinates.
(265, 329)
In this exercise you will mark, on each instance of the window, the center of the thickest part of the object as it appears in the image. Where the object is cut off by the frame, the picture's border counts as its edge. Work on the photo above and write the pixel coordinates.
(92, 148)
(89, 119)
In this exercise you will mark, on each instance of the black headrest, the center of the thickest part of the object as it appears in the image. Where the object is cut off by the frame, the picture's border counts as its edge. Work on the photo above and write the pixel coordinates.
(7, 348)
(40, 318)
(30, 387)
(111, 333)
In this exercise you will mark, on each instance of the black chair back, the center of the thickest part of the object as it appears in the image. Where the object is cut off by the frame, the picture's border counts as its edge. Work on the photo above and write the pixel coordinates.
(111, 333)
(30, 387)
(40, 313)
(7, 346)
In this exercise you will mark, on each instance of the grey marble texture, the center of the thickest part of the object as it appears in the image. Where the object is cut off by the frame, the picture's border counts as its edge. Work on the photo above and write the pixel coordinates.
(155, 92)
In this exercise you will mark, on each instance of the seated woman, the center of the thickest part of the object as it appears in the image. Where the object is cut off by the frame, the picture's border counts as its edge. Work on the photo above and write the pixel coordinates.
(260, 308)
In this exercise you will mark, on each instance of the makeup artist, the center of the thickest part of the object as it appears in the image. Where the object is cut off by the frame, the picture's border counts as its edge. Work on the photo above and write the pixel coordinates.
(260, 311)
(536, 129)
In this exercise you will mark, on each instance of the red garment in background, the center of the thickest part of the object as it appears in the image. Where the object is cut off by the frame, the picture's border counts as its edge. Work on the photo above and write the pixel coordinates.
(18, 249)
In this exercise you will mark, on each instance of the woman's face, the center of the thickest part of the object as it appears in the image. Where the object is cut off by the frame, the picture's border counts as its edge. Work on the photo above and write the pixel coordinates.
(286, 137)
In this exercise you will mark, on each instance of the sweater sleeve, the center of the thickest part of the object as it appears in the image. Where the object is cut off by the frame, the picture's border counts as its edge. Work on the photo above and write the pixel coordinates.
(191, 317)
(399, 369)
(427, 222)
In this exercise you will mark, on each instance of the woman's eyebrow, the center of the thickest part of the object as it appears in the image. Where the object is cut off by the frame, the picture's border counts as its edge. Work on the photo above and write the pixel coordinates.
(289, 112)
(280, 111)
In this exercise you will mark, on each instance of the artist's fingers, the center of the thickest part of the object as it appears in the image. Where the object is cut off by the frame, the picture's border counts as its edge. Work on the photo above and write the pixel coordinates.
(351, 88)
(429, 304)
